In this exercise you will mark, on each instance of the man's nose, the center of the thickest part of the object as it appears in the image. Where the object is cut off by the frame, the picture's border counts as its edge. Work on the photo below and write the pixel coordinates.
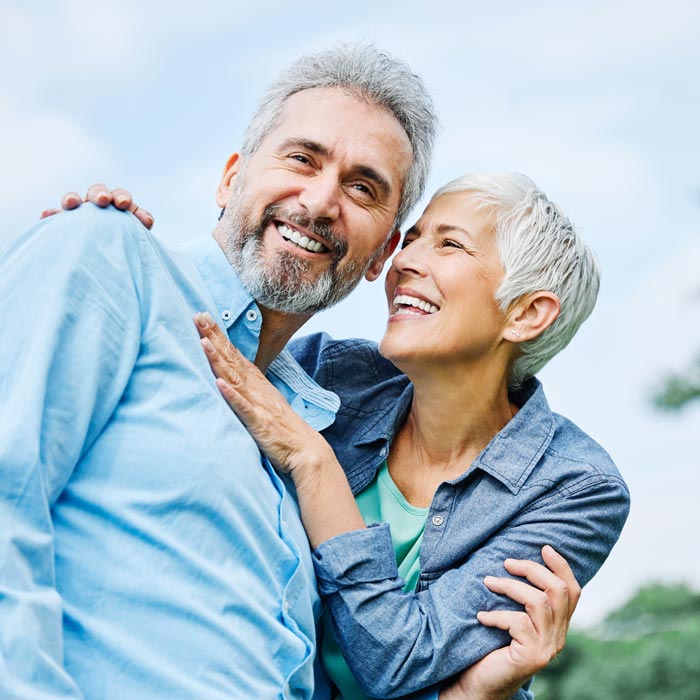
(321, 197)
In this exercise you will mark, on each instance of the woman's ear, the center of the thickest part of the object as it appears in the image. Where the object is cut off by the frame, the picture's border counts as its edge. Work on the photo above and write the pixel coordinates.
(531, 316)
(223, 191)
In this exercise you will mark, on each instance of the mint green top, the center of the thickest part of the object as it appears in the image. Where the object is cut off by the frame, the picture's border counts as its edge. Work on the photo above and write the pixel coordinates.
(380, 502)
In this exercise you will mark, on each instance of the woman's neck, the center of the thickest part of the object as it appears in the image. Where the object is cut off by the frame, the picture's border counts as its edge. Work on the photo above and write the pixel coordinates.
(454, 414)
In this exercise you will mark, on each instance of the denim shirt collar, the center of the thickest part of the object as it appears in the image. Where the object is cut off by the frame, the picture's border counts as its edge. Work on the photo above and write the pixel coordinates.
(512, 453)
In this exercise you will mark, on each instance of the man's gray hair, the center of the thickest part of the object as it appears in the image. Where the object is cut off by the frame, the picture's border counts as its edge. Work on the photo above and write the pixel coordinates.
(383, 81)
(540, 250)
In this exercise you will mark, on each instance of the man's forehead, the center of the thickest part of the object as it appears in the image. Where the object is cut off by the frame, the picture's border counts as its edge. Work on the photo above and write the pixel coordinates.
(335, 119)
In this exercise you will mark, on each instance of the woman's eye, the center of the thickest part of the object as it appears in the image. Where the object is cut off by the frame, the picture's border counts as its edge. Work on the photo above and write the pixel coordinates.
(406, 241)
(449, 243)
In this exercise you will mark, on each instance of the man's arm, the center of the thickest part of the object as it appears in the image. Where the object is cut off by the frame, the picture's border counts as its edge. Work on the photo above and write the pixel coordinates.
(69, 312)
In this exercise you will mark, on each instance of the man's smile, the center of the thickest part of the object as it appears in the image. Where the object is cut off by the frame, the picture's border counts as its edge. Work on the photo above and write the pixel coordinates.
(302, 239)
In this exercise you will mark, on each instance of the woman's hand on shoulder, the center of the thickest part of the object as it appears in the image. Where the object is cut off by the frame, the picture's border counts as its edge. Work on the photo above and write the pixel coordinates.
(282, 435)
(537, 635)
(100, 195)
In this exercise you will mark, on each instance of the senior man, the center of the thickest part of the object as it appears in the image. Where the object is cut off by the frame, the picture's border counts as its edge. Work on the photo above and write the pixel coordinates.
(146, 551)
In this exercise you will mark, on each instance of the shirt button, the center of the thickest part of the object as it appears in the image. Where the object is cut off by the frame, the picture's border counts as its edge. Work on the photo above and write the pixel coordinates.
(252, 315)
(438, 520)
(226, 315)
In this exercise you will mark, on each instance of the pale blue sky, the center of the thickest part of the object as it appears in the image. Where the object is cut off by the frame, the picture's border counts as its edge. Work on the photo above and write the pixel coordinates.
(599, 102)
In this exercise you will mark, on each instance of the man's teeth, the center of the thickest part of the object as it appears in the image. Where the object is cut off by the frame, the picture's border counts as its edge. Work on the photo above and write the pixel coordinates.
(403, 300)
(302, 241)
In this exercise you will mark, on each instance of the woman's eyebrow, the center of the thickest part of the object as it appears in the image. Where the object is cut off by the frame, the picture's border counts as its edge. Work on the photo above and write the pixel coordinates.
(447, 228)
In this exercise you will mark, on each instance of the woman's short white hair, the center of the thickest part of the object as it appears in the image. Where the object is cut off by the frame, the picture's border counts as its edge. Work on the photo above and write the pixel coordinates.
(540, 250)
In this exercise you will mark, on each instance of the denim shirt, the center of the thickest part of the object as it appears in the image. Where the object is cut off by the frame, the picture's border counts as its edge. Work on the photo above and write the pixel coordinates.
(539, 481)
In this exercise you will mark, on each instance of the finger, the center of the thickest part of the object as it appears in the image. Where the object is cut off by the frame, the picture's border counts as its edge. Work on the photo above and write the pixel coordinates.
(234, 398)
(507, 620)
(519, 591)
(49, 212)
(145, 217)
(217, 363)
(554, 586)
(71, 200)
(122, 198)
(526, 645)
(560, 567)
(208, 328)
(99, 194)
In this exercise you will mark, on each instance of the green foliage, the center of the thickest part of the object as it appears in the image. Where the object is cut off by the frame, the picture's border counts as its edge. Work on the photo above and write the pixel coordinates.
(678, 390)
(648, 648)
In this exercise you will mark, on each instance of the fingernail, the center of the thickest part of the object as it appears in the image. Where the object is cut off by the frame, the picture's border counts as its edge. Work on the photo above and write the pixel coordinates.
(148, 220)
(208, 347)
(120, 200)
(201, 320)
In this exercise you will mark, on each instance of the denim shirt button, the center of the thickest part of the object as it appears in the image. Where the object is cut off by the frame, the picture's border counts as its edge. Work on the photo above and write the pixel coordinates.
(438, 520)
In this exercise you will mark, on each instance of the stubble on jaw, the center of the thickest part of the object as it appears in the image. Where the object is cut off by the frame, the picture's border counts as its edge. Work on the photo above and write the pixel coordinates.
(286, 283)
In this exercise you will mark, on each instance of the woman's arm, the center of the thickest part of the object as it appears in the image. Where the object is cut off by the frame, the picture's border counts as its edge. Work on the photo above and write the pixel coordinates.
(390, 637)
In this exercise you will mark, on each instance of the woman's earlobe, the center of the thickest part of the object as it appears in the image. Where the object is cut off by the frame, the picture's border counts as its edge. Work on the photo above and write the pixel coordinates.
(532, 316)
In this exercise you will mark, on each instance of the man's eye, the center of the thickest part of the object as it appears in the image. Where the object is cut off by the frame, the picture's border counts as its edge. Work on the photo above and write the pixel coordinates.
(301, 158)
(363, 189)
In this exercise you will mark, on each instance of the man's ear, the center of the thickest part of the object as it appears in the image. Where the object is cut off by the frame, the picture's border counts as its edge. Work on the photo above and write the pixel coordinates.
(223, 191)
(375, 269)
(531, 316)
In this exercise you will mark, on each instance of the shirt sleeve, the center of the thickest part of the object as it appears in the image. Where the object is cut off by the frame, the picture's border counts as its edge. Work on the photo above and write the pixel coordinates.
(397, 643)
(69, 312)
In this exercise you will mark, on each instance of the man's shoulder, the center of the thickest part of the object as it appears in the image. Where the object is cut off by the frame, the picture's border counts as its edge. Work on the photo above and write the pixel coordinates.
(88, 232)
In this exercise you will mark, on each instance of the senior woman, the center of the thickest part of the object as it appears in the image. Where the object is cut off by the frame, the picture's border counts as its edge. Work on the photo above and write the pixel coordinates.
(444, 437)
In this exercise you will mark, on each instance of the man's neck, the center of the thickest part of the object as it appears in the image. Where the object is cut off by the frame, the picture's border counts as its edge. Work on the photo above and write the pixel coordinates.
(277, 330)
(277, 327)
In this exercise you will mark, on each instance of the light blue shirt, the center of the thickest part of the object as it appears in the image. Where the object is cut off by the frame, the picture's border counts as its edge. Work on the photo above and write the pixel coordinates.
(146, 550)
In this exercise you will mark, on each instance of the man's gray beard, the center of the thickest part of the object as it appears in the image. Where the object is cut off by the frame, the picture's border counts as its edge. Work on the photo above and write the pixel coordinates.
(281, 284)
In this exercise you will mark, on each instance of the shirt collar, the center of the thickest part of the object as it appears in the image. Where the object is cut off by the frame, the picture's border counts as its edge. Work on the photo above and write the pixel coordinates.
(512, 453)
(232, 298)
(237, 308)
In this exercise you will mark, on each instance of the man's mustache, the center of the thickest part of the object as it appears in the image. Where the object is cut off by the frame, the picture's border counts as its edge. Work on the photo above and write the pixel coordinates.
(337, 245)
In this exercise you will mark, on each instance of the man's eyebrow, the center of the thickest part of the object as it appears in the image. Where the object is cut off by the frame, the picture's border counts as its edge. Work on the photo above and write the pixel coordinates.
(377, 178)
(319, 149)
(313, 146)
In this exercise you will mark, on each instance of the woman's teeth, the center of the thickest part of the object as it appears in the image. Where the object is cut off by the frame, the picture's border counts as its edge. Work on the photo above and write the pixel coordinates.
(304, 242)
(402, 301)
